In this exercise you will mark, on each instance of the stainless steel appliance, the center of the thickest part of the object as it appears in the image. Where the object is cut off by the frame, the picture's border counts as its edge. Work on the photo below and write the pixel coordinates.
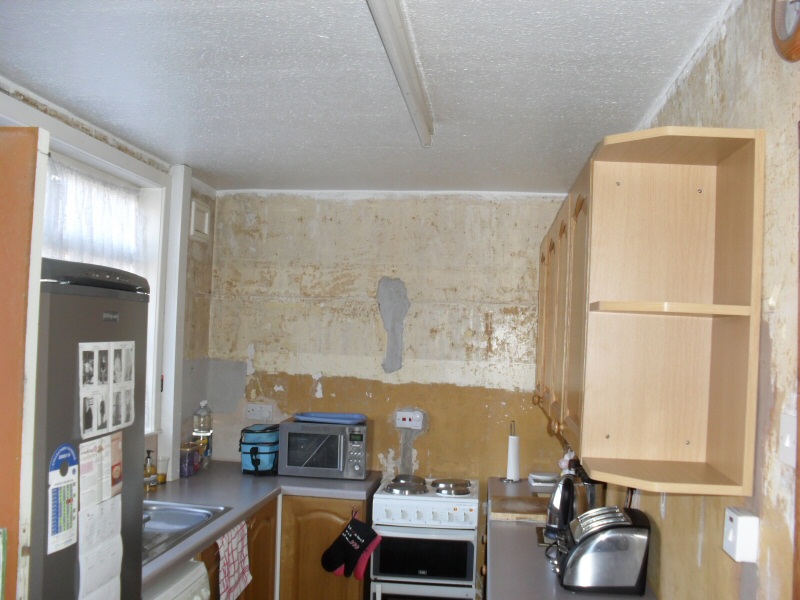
(89, 433)
(606, 552)
(572, 496)
(429, 546)
(323, 445)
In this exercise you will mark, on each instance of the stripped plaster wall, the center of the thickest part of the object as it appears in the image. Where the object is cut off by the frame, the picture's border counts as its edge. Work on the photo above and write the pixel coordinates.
(295, 285)
(737, 80)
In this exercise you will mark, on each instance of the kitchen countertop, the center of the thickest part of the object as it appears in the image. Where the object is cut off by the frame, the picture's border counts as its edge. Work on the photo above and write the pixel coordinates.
(516, 564)
(223, 484)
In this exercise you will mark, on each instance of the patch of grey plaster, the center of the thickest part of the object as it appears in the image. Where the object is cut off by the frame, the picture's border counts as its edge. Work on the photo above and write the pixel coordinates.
(318, 392)
(408, 463)
(393, 305)
(221, 382)
(278, 388)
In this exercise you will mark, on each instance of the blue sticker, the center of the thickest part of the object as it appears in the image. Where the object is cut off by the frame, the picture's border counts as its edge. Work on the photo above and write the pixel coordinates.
(65, 452)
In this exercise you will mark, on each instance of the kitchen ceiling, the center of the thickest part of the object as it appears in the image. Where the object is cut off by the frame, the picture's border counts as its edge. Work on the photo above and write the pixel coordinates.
(299, 94)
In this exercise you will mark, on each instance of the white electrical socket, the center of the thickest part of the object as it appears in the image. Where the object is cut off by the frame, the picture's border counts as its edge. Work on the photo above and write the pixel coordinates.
(740, 534)
(787, 449)
(409, 419)
(259, 412)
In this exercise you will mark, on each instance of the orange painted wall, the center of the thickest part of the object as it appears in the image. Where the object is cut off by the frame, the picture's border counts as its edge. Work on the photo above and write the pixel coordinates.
(18, 147)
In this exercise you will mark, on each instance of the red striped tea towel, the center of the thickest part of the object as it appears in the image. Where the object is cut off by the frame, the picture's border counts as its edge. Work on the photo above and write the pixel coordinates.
(234, 563)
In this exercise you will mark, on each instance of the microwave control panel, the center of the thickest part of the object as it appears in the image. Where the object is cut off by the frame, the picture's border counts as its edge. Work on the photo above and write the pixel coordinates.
(355, 453)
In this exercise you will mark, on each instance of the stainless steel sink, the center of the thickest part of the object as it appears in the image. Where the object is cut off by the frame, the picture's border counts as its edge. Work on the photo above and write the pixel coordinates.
(164, 524)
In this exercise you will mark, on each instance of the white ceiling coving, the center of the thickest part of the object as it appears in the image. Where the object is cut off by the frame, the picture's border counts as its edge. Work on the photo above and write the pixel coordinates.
(299, 94)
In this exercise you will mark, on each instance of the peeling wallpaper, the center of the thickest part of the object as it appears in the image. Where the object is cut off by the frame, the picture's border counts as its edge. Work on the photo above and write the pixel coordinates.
(297, 276)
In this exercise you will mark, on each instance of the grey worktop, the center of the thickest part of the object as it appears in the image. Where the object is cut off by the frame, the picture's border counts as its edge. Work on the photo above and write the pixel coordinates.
(223, 484)
(517, 568)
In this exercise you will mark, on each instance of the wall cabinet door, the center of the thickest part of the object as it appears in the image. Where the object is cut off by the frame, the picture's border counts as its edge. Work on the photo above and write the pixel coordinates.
(569, 425)
(309, 526)
(552, 277)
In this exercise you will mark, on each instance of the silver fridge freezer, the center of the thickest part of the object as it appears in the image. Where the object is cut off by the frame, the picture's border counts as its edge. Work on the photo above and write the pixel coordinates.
(86, 529)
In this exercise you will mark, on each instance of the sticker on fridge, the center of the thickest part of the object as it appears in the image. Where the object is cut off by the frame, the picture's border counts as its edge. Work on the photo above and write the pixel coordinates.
(62, 499)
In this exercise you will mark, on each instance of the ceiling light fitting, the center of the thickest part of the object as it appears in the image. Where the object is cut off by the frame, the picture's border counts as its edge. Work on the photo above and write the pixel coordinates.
(389, 21)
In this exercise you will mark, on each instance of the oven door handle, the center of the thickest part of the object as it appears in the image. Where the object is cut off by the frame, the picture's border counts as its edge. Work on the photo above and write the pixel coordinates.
(426, 533)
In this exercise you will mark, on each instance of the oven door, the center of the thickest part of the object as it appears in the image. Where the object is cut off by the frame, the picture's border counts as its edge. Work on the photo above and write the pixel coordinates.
(425, 555)
(402, 591)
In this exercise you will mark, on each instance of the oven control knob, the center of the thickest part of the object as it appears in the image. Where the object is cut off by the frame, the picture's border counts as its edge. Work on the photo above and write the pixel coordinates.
(420, 515)
(434, 515)
(403, 514)
(388, 513)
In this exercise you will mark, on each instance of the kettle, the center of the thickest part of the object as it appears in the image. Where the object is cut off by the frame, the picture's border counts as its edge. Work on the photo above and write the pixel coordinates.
(561, 508)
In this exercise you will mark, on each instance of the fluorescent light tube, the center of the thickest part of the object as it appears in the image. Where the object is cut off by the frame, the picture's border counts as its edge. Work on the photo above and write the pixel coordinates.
(389, 21)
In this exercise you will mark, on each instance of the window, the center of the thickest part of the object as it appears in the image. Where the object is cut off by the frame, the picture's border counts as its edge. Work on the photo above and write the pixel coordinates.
(92, 217)
(89, 219)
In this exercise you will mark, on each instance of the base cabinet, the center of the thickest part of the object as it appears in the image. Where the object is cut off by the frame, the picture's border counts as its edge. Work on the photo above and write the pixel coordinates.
(309, 526)
(262, 529)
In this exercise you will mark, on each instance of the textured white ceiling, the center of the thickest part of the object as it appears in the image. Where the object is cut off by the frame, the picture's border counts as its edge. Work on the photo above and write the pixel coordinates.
(299, 94)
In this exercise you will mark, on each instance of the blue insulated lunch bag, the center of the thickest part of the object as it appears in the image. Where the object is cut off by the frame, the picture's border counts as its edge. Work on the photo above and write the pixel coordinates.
(258, 446)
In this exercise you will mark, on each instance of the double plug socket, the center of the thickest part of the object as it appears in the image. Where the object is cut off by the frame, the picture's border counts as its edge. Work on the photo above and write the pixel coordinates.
(409, 419)
(257, 411)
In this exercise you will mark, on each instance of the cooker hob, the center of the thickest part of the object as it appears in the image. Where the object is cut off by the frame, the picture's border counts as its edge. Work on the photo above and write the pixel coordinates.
(435, 502)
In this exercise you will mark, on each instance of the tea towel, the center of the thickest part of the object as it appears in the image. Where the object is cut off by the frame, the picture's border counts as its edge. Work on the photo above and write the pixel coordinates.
(234, 563)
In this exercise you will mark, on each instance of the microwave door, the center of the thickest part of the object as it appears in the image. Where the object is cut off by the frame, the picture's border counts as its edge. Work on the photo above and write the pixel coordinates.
(319, 457)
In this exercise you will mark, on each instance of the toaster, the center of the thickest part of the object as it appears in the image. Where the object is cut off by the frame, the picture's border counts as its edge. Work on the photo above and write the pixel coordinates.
(605, 551)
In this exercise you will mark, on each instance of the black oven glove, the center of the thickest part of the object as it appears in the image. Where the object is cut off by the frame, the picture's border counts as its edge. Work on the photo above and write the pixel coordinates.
(350, 552)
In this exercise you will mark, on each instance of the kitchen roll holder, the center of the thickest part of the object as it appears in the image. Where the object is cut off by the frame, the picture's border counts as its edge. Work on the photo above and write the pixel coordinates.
(512, 465)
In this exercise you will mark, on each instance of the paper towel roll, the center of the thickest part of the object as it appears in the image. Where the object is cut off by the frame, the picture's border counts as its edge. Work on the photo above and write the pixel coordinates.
(512, 472)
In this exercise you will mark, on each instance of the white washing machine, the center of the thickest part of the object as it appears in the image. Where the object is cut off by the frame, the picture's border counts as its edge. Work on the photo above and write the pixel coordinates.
(187, 581)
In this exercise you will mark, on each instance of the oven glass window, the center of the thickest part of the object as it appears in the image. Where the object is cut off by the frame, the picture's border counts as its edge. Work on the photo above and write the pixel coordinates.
(449, 560)
(316, 450)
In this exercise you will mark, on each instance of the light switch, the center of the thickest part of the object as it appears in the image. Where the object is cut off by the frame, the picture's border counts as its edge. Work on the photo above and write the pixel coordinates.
(787, 443)
(740, 534)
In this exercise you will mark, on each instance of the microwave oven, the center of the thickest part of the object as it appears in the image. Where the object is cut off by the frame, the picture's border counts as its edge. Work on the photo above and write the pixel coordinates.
(328, 450)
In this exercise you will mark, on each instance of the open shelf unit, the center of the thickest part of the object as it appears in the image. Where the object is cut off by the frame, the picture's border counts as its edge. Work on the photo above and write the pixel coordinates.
(664, 288)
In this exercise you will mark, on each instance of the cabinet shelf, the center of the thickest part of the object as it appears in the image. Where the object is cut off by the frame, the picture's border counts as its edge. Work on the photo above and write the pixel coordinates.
(662, 476)
(684, 309)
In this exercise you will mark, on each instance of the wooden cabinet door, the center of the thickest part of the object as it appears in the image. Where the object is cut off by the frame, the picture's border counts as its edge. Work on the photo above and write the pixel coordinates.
(549, 310)
(572, 409)
(262, 529)
(309, 527)
(542, 317)
(559, 350)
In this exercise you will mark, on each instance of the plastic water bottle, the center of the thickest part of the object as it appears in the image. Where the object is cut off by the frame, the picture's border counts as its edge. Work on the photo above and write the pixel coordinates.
(202, 428)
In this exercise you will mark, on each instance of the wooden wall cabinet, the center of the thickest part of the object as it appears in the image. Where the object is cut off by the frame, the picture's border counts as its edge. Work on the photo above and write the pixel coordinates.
(650, 307)
(262, 529)
(309, 526)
